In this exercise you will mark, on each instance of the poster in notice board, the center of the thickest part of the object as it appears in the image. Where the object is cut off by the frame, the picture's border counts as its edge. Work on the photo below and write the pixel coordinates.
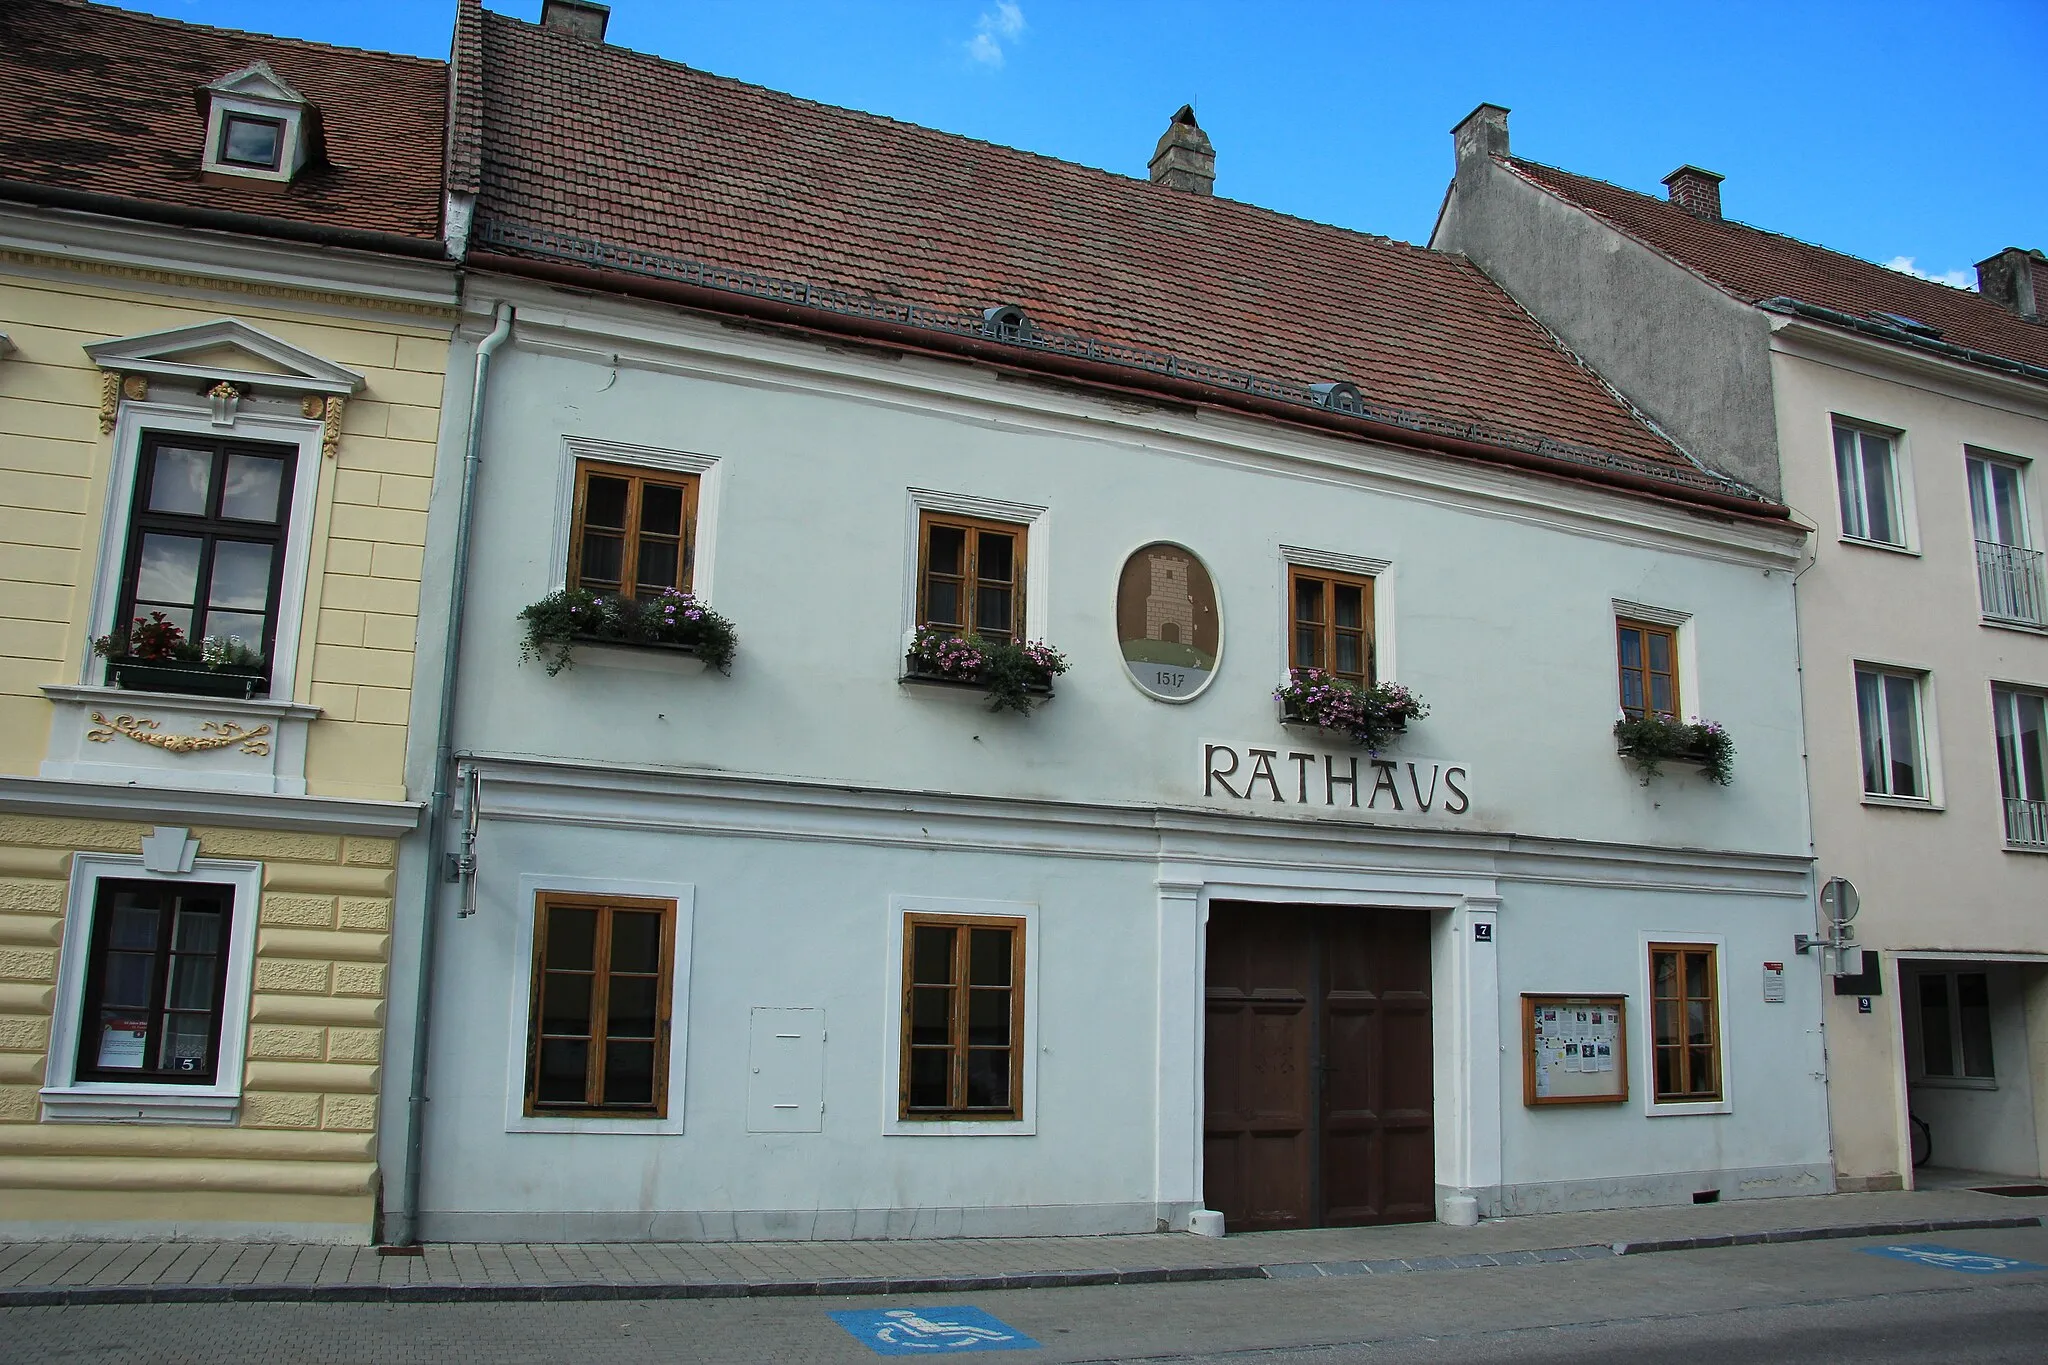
(1574, 1049)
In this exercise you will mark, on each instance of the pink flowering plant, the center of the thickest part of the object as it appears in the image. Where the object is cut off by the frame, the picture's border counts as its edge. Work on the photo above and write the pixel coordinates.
(1371, 716)
(1649, 740)
(572, 616)
(1010, 672)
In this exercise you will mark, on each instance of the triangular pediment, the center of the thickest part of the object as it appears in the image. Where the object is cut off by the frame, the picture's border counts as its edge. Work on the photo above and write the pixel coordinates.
(225, 349)
(257, 82)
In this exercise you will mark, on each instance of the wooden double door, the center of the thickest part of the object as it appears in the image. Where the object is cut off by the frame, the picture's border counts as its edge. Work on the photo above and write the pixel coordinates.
(1319, 1076)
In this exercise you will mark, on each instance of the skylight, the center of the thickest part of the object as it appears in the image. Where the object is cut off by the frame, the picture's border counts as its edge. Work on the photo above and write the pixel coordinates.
(1906, 324)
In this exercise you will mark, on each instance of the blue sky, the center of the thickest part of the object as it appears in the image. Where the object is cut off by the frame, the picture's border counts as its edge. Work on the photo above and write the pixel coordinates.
(1887, 130)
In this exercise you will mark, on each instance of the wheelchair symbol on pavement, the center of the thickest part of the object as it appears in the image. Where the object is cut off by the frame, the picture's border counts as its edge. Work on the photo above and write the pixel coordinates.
(1949, 1258)
(931, 1331)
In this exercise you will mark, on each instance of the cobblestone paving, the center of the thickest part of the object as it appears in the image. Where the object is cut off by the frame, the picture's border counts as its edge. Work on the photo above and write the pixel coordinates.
(907, 1266)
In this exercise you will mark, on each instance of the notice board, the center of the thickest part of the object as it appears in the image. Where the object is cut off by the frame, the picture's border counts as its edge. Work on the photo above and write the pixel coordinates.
(1574, 1049)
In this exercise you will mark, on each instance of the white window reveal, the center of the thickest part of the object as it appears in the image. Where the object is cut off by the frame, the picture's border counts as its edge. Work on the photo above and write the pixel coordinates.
(1888, 715)
(2008, 567)
(1867, 475)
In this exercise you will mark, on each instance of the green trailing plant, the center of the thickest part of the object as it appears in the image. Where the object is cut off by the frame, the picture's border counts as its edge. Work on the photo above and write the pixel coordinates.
(1010, 672)
(1652, 741)
(1370, 716)
(572, 616)
(156, 639)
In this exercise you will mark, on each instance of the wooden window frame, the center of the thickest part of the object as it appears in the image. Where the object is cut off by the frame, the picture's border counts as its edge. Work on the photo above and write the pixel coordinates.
(970, 579)
(210, 528)
(1326, 629)
(637, 477)
(1719, 1094)
(1624, 624)
(593, 1083)
(92, 997)
(956, 1043)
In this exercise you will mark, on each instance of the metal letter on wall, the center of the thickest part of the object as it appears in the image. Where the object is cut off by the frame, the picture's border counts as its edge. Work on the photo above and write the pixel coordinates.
(1167, 624)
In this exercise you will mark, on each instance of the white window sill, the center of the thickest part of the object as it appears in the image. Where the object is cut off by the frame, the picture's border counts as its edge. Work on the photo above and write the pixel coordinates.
(597, 1127)
(1881, 545)
(2036, 850)
(115, 1103)
(1688, 1110)
(1901, 802)
(960, 1128)
(2023, 627)
(1954, 1082)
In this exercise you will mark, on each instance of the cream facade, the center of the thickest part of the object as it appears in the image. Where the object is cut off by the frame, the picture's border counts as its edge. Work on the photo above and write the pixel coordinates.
(279, 810)
(1952, 880)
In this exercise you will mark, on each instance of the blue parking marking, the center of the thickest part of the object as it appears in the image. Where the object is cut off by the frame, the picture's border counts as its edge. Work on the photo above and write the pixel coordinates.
(1950, 1258)
(930, 1331)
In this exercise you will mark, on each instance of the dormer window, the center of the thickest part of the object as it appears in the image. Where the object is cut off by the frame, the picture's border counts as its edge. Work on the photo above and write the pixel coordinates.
(257, 126)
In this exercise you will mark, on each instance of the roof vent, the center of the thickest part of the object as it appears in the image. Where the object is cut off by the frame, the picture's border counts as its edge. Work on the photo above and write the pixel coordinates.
(1341, 396)
(2016, 279)
(1906, 324)
(1696, 191)
(581, 18)
(1005, 322)
(1184, 160)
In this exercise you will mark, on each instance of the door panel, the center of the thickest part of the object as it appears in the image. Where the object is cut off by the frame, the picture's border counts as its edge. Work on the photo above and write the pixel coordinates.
(1320, 1103)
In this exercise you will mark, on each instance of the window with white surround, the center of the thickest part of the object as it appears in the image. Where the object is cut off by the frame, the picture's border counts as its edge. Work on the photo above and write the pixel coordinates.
(1894, 747)
(1953, 1017)
(256, 126)
(2008, 567)
(975, 565)
(152, 1005)
(1867, 478)
(2020, 718)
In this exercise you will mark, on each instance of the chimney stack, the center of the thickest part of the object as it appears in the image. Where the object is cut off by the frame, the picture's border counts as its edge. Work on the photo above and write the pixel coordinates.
(1184, 160)
(1483, 132)
(1696, 191)
(2016, 278)
(579, 18)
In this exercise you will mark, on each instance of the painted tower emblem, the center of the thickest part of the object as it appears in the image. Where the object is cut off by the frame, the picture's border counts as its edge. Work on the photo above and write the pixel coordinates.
(1166, 621)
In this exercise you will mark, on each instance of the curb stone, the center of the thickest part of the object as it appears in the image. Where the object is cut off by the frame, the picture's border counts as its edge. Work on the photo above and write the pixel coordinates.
(1897, 1229)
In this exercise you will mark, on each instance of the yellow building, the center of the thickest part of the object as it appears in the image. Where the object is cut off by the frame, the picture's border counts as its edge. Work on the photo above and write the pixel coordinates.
(225, 304)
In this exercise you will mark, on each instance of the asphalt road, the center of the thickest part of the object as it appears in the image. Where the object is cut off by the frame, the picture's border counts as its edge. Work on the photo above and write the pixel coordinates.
(1808, 1302)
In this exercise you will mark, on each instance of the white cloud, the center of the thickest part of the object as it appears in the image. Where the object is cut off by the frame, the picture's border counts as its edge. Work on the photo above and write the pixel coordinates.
(1003, 24)
(1960, 279)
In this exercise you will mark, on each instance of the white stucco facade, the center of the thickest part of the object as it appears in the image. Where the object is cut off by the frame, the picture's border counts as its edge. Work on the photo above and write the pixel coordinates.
(800, 803)
(1942, 885)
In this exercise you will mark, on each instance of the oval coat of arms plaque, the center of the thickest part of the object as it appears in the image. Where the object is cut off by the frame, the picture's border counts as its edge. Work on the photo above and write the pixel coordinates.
(1167, 624)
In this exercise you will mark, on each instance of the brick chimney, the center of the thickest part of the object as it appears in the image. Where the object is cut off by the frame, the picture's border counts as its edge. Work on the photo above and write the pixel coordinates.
(1184, 160)
(2016, 278)
(1483, 132)
(1696, 191)
(581, 18)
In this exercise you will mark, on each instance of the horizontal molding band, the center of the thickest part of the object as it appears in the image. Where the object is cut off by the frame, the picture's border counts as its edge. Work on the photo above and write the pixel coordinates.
(109, 801)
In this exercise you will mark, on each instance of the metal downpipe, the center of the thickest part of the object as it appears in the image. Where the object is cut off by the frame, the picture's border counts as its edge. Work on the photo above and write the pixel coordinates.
(406, 1231)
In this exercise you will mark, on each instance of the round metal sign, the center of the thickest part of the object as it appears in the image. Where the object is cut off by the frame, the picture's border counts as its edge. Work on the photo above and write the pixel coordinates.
(1167, 624)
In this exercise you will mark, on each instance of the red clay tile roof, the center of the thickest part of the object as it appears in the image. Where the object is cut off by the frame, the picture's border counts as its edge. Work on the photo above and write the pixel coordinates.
(107, 102)
(598, 143)
(1754, 265)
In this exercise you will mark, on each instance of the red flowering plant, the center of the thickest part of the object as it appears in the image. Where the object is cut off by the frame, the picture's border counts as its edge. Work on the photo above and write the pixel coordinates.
(1010, 672)
(156, 639)
(1370, 716)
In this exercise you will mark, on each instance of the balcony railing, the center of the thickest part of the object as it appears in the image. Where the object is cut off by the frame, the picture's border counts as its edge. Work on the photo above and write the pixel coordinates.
(2009, 578)
(2026, 823)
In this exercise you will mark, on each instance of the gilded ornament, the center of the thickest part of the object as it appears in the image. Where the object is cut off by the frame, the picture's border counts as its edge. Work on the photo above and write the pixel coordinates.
(135, 388)
(312, 405)
(330, 437)
(110, 399)
(215, 734)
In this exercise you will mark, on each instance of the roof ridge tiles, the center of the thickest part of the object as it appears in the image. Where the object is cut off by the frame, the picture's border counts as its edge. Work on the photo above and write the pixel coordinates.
(141, 16)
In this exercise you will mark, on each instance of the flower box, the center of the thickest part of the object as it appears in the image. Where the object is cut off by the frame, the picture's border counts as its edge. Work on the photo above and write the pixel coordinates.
(576, 620)
(646, 656)
(193, 679)
(1368, 716)
(1652, 741)
(1011, 674)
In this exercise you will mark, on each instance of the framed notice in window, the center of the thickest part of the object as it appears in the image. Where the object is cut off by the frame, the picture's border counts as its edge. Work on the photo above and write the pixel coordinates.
(1574, 1049)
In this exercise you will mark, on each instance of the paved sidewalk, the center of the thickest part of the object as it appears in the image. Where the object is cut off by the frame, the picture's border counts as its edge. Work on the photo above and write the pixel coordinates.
(41, 1273)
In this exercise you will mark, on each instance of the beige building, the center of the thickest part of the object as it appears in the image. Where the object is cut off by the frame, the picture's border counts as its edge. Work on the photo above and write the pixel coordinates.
(1906, 422)
(222, 352)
